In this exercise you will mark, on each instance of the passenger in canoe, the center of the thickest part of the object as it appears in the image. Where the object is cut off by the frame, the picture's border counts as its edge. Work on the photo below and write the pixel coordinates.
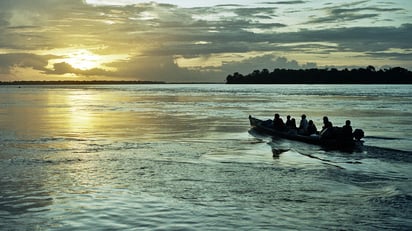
(347, 131)
(278, 123)
(326, 124)
(303, 125)
(290, 122)
(312, 130)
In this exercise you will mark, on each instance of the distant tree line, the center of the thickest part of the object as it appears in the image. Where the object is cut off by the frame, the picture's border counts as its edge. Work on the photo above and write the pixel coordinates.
(368, 75)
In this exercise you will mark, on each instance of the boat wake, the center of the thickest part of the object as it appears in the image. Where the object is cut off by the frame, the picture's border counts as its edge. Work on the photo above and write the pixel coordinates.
(382, 138)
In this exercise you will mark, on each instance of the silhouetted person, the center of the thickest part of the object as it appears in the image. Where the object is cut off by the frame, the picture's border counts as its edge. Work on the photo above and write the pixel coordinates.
(293, 124)
(278, 123)
(347, 130)
(327, 128)
(303, 125)
(326, 123)
(311, 128)
(291, 127)
(288, 121)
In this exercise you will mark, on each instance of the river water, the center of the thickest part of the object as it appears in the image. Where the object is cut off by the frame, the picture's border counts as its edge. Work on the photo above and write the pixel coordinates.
(183, 157)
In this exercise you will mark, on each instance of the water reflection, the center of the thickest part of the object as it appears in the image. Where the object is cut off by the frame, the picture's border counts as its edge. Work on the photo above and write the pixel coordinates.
(89, 114)
(121, 157)
(69, 113)
(80, 119)
(24, 188)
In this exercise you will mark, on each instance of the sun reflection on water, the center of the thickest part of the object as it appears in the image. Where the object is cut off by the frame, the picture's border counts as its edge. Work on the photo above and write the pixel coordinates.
(80, 118)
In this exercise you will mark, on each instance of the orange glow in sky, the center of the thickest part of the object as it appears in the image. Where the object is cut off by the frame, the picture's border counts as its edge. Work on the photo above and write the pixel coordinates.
(165, 40)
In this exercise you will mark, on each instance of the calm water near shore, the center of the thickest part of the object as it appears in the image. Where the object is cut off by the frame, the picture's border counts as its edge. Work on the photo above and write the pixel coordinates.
(183, 157)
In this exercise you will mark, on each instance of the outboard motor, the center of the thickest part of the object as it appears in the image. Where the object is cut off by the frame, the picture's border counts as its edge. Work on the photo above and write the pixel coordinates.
(358, 134)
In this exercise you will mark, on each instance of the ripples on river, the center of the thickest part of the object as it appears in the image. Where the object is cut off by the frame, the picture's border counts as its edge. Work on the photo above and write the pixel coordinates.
(182, 157)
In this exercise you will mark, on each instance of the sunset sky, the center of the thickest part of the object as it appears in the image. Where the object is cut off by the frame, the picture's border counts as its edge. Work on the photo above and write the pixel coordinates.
(197, 40)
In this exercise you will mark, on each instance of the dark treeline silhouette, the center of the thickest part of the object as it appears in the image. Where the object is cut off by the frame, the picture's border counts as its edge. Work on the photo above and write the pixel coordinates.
(368, 75)
(74, 82)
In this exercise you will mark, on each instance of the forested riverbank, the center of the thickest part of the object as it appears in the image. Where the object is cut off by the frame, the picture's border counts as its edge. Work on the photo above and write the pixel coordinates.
(368, 75)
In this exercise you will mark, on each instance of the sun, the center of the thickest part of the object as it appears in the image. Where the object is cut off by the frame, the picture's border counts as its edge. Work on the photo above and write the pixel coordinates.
(83, 59)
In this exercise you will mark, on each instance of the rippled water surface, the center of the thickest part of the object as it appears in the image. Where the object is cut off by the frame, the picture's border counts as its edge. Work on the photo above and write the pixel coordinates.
(183, 157)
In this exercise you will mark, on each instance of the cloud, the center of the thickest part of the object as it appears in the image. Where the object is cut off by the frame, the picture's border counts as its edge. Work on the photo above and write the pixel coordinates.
(28, 25)
(343, 17)
(268, 61)
(161, 68)
(253, 12)
(348, 12)
(65, 68)
(153, 34)
(361, 39)
(37, 62)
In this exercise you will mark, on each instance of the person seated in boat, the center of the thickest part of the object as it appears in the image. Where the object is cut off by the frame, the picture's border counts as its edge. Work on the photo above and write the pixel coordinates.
(303, 125)
(327, 128)
(312, 130)
(292, 129)
(347, 130)
(293, 124)
(278, 123)
(288, 121)
(326, 123)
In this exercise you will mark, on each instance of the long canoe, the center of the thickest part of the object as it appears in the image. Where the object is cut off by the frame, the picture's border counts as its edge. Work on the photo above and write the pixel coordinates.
(265, 126)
